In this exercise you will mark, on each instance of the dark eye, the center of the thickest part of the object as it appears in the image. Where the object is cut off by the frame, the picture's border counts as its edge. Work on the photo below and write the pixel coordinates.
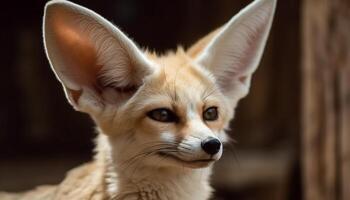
(211, 114)
(163, 115)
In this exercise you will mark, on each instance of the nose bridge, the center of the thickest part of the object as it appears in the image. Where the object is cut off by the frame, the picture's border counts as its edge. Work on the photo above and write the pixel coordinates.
(197, 128)
(194, 123)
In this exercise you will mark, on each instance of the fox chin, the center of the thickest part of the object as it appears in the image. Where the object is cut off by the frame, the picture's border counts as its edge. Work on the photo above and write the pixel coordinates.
(161, 119)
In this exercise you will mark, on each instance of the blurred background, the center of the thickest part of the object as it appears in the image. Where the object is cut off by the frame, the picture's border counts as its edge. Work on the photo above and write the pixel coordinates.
(283, 128)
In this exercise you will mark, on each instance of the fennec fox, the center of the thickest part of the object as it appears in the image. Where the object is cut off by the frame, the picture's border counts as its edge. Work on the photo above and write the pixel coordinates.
(161, 118)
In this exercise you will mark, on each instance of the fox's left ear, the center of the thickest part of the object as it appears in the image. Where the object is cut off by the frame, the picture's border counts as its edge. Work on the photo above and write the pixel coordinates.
(234, 52)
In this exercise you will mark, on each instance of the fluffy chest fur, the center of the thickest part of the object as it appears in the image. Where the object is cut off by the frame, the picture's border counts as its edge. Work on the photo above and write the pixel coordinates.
(91, 181)
(193, 185)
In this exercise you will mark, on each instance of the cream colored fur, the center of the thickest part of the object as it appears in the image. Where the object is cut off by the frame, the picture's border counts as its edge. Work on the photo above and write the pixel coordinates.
(105, 75)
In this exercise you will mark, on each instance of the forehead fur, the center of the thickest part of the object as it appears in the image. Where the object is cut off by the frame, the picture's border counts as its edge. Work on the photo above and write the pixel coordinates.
(178, 68)
(177, 83)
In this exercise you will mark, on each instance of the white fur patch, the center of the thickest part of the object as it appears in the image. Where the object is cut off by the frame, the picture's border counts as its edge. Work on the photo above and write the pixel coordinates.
(168, 137)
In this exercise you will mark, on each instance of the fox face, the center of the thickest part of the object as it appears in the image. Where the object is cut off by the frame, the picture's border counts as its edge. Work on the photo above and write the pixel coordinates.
(178, 115)
(168, 110)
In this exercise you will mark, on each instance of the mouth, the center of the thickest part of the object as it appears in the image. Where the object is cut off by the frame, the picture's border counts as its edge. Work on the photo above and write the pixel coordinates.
(200, 163)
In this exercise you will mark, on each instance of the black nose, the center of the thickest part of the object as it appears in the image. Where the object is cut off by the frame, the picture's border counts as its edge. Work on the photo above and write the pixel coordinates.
(211, 145)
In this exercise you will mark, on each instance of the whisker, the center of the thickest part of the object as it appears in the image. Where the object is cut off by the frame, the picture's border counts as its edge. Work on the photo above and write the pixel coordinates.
(194, 137)
(186, 144)
(152, 148)
(185, 150)
(147, 152)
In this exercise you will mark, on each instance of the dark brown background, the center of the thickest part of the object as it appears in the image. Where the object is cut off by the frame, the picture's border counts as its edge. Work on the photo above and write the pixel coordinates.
(41, 136)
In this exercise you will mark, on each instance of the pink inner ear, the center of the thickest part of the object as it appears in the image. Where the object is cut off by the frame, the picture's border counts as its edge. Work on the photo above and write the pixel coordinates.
(75, 50)
(94, 60)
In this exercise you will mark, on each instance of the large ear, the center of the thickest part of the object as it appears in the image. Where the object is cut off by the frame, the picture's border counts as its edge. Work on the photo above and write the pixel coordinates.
(95, 62)
(233, 52)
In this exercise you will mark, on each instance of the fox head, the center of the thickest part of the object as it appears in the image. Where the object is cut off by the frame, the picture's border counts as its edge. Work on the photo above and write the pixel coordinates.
(171, 110)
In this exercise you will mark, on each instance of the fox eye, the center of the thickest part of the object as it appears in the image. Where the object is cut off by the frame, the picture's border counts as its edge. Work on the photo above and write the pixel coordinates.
(211, 114)
(163, 115)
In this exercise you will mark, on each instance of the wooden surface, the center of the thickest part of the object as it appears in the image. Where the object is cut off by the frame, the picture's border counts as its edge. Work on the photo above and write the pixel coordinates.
(326, 99)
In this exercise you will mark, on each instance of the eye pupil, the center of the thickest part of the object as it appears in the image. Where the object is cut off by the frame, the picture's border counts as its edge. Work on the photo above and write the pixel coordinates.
(162, 115)
(211, 114)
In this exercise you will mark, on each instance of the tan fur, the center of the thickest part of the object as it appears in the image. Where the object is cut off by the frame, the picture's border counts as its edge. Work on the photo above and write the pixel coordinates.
(84, 182)
(105, 75)
(89, 181)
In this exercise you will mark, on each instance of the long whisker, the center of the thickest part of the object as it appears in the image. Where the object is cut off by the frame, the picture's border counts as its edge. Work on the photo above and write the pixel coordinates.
(193, 137)
(186, 148)
(144, 156)
(148, 151)
(153, 148)
(137, 156)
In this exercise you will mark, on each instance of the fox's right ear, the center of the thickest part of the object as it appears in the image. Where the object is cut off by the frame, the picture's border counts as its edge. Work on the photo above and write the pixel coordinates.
(95, 62)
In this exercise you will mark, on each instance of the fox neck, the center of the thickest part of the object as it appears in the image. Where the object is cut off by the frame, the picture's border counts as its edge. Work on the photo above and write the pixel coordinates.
(148, 183)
